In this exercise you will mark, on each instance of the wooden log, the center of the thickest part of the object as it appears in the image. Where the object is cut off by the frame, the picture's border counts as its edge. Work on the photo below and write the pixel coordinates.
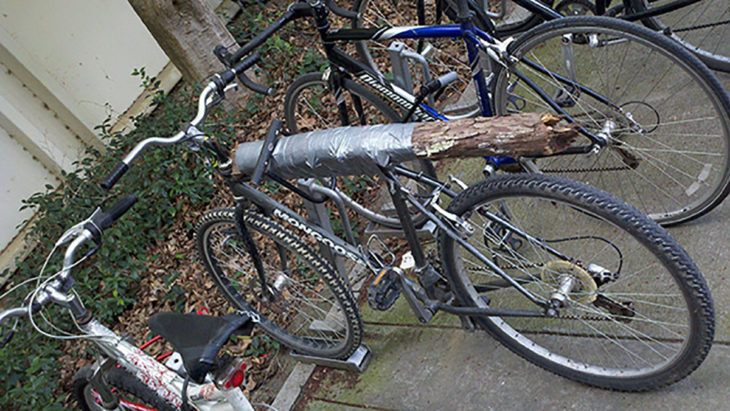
(187, 31)
(517, 135)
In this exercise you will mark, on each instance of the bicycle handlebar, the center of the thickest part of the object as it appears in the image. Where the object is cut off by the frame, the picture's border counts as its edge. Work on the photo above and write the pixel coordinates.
(340, 11)
(56, 291)
(12, 313)
(240, 71)
(116, 173)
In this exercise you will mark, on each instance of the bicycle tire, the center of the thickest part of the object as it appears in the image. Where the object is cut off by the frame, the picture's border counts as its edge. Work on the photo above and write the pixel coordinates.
(708, 43)
(586, 342)
(678, 167)
(317, 80)
(117, 378)
(324, 298)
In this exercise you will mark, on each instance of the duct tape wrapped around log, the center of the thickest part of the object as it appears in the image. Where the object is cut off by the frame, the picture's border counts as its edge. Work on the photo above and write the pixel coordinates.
(362, 150)
(334, 152)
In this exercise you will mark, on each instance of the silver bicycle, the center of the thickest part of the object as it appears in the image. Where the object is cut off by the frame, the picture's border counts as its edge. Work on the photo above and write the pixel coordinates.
(193, 377)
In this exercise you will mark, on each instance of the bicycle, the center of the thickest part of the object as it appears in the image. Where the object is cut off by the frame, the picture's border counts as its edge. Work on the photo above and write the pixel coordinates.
(627, 85)
(542, 288)
(195, 375)
(699, 25)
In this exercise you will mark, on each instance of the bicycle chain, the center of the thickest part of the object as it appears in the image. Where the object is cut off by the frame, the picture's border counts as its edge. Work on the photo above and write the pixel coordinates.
(585, 318)
(584, 170)
(701, 26)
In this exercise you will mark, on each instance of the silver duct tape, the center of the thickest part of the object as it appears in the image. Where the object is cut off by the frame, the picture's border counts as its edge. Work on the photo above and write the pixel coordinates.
(334, 152)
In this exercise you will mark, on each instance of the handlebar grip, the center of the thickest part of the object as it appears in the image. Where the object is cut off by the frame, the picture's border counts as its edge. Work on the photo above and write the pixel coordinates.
(246, 63)
(240, 70)
(118, 171)
(266, 149)
(447, 79)
(106, 219)
(267, 91)
(340, 11)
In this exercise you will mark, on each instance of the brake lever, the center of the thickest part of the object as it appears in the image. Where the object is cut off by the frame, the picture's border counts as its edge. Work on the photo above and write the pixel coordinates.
(72, 232)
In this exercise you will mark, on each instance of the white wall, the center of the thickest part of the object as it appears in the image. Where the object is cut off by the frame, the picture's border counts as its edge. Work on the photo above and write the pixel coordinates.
(83, 51)
(21, 177)
(65, 66)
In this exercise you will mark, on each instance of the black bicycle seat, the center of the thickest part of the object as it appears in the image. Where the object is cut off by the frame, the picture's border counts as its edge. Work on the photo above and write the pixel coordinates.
(198, 338)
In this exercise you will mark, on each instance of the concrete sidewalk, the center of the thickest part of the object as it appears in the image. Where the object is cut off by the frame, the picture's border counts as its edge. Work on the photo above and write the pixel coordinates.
(441, 366)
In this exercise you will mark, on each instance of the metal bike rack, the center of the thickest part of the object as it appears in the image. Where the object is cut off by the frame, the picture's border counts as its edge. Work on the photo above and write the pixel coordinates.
(426, 232)
(317, 215)
(399, 56)
(359, 360)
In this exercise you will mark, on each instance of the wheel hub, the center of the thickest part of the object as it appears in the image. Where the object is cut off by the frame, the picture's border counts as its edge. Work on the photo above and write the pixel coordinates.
(570, 281)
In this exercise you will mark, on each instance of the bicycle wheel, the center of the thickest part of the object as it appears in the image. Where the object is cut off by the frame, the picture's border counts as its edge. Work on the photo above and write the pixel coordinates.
(637, 315)
(130, 390)
(306, 306)
(309, 105)
(668, 145)
(703, 27)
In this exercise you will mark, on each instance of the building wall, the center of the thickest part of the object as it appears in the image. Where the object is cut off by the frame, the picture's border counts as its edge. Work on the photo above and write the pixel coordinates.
(83, 51)
(21, 178)
(65, 66)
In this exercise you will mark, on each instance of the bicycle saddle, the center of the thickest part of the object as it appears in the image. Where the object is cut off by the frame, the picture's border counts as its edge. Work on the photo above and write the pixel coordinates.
(198, 338)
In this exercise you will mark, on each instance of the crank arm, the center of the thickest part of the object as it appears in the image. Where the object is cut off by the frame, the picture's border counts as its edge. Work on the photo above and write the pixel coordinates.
(410, 290)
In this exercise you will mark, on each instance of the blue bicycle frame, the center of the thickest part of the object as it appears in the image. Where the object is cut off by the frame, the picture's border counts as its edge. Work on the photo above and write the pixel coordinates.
(474, 39)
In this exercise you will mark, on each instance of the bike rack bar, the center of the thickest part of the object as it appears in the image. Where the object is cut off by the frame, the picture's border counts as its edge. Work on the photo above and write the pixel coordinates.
(317, 215)
(399, 56)
(358, 361)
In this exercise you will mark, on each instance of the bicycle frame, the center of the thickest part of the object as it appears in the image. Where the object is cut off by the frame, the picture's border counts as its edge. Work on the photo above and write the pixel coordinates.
(478, 44)
(165, 382)
(245, 194)
(541, 11)
(603, 5)
(547, 13)
(475, 40)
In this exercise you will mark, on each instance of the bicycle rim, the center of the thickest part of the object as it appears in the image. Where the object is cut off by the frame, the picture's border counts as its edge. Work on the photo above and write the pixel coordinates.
(703, 27)
(647, 324)
(668, 146)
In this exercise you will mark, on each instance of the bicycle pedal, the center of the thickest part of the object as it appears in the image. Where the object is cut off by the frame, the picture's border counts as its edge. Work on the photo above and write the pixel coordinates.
(384, 290)
(377, 249)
